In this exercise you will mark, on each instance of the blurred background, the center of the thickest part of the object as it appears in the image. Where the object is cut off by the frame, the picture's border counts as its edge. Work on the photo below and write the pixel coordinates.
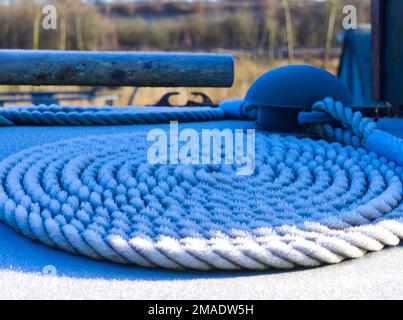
(261, 34)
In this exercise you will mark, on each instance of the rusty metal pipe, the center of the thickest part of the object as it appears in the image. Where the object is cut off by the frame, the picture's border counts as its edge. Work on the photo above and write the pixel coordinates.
(140, 69)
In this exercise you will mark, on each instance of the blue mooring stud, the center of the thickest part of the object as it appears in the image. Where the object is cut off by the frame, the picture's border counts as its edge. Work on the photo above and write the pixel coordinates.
(282, 93)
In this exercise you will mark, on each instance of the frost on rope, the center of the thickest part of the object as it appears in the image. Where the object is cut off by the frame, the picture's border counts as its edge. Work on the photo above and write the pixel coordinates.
(54, 115)
(307, 203)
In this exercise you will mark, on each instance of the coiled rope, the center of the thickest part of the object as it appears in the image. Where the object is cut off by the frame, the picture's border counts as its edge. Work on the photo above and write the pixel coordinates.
(54, 115)
(307, 203)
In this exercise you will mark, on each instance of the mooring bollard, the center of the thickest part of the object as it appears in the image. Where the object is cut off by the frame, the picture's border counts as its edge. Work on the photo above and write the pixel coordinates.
(140, 69)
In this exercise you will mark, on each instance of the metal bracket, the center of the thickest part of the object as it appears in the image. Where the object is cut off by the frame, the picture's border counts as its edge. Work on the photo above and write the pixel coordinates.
(206, 101)
(164, 101)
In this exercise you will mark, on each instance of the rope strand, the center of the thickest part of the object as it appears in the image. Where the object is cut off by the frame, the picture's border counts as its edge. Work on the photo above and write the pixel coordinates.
(54, 115)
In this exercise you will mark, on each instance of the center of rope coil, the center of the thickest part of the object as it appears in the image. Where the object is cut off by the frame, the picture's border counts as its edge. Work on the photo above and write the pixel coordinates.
(308, 203)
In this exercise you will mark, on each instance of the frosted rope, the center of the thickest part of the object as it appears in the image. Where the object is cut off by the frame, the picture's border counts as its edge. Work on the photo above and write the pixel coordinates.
(54, 115)
(356, 129)
(308, 203)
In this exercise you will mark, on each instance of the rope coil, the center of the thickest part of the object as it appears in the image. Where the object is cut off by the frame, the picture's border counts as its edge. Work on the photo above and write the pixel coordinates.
(308, 203)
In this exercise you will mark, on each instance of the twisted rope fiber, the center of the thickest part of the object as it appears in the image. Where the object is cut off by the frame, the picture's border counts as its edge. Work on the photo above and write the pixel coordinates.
(54, 115)
(308, 203)
(355, 128)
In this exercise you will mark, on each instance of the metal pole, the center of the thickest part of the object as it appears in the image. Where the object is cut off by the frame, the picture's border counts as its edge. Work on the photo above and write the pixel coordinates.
(138, 69)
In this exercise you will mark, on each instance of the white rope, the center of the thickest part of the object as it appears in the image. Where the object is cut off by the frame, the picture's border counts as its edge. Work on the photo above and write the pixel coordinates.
(308, 203)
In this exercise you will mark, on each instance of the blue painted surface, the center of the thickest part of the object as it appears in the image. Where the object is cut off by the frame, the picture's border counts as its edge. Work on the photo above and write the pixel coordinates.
(356, 66)
(296, 86)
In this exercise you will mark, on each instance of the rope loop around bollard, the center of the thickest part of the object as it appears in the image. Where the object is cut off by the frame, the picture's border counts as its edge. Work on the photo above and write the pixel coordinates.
(356, 129)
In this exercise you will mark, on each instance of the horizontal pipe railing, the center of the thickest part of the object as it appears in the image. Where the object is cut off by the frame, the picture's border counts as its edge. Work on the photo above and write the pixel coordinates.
(91, 68)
